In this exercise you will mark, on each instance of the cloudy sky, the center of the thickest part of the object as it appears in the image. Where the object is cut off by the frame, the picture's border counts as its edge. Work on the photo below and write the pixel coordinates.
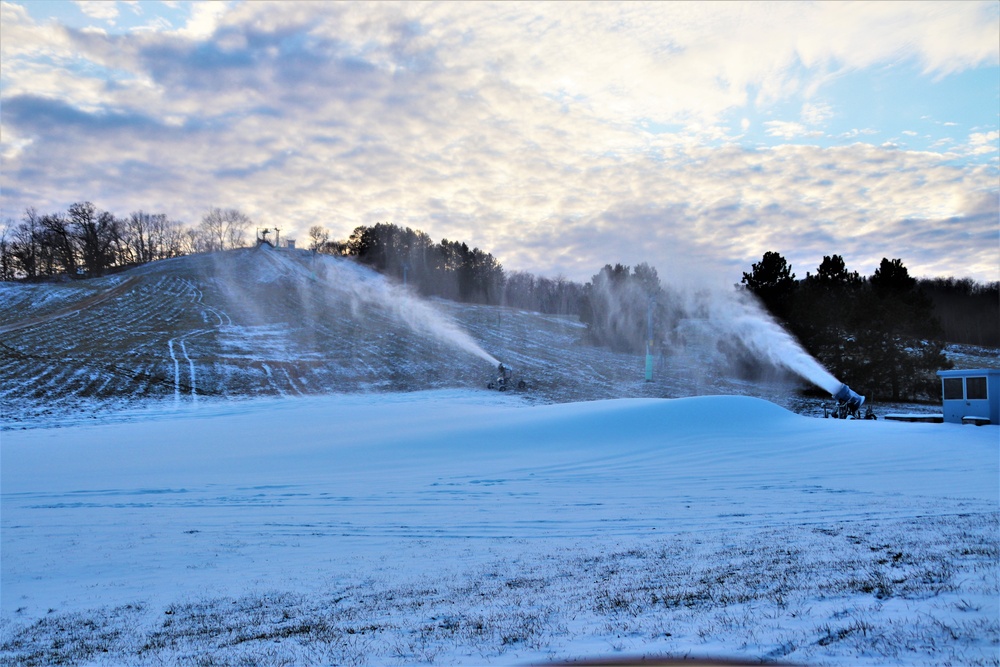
(559, 137)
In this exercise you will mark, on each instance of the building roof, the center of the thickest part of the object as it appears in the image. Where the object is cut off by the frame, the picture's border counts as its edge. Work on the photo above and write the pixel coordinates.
(969, 371)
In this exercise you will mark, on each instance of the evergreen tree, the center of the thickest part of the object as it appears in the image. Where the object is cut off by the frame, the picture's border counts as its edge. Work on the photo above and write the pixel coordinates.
(969, 311)
(822, 312)
(898, 336)
(616, 303)
(878, 335)
(449, 269)
(772, 281)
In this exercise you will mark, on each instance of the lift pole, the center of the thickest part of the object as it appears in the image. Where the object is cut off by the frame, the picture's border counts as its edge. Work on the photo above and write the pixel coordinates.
(649, 340)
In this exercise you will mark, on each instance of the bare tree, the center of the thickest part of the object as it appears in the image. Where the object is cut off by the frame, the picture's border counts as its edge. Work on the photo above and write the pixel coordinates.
(151, 236)
(6, 259)
(96, 233)
(138, 227)
(318, 238)
(57, 236)
(24, 246)
(223, 229)
(172, 239)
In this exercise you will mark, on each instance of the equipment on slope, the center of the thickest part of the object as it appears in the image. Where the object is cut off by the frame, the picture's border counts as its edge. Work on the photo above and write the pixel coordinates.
(262, 239)
(849, 404)
(505, 380)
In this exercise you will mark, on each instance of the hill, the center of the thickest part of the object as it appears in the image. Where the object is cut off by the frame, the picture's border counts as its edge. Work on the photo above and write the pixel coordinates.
(258, 322)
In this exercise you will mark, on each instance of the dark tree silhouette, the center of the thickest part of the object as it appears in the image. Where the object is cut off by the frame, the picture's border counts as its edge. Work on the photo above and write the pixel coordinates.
(449, 269)
(899, 335)
(892, 278)
(616, 304)
(879, 335)
(96, 233)
(772, 281)
(969, 311)
(57, 235)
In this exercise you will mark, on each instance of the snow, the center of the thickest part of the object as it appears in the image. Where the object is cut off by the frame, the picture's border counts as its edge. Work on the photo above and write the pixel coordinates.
(460, 526)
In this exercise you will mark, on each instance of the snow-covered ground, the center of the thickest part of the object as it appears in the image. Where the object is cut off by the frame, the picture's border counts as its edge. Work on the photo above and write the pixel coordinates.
(469, 527)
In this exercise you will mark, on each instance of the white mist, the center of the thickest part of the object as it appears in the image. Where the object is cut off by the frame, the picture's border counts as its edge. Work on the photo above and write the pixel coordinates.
(711, 316)
(364, 288)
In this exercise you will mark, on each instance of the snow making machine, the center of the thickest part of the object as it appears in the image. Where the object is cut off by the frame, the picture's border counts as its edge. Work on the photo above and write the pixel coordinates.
(849, 404)
(505, 380)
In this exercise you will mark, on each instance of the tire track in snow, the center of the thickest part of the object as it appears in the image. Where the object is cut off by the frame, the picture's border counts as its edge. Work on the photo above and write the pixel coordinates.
(221, 315)
(192, 368)
(177, 371)
(291, 382)
(270, 379)
(194, 295)
(194, 384)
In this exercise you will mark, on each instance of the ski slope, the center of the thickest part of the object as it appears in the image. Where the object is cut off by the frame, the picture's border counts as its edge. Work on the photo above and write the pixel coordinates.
(257, 322)
(470, 527)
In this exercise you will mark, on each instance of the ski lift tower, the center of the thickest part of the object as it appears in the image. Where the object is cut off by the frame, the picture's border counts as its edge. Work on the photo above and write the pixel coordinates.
(262, 233)
(262, 239)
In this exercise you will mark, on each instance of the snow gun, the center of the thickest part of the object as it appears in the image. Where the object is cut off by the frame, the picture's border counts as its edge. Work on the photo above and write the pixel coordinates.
(849, 398)
(849, 404)
(505, 380)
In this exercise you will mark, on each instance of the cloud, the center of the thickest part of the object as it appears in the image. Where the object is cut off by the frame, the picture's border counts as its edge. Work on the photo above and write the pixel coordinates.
(204, 19)
(854, 133)
(22, 38)
(14, 143)
(985, 143)
(943, 38)
(789, 130)
(816, 113)
(510, 126)
(98, 9)
(40, 114)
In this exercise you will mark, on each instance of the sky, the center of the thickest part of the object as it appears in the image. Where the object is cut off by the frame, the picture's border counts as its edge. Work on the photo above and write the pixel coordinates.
(557, 136)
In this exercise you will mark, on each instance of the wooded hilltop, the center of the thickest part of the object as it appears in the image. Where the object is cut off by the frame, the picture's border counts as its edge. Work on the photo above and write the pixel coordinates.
(886, 330)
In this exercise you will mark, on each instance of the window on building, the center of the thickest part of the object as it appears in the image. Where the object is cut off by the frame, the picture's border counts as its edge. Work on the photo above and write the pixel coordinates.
(953, 389)
(975, 388)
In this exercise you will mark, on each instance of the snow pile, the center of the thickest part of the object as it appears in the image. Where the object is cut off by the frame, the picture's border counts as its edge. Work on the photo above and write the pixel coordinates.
(465, 527)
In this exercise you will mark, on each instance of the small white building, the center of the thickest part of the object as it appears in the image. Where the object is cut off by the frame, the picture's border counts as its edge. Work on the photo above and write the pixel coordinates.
(971, 396)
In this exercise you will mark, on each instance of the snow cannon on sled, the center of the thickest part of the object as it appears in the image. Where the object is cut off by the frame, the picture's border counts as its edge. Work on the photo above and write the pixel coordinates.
(849, 404)
(505, 380)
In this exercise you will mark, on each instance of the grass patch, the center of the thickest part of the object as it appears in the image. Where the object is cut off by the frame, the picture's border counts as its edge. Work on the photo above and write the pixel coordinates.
(920, 591)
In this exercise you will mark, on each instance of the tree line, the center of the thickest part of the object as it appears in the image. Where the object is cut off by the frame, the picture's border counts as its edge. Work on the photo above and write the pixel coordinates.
(449, 269)
(86, 242)
(884, 332)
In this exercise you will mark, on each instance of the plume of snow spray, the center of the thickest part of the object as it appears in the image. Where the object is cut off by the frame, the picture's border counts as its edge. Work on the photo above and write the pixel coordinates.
(708, 324)
(762, 335)
(365, 288)
(713, 318)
